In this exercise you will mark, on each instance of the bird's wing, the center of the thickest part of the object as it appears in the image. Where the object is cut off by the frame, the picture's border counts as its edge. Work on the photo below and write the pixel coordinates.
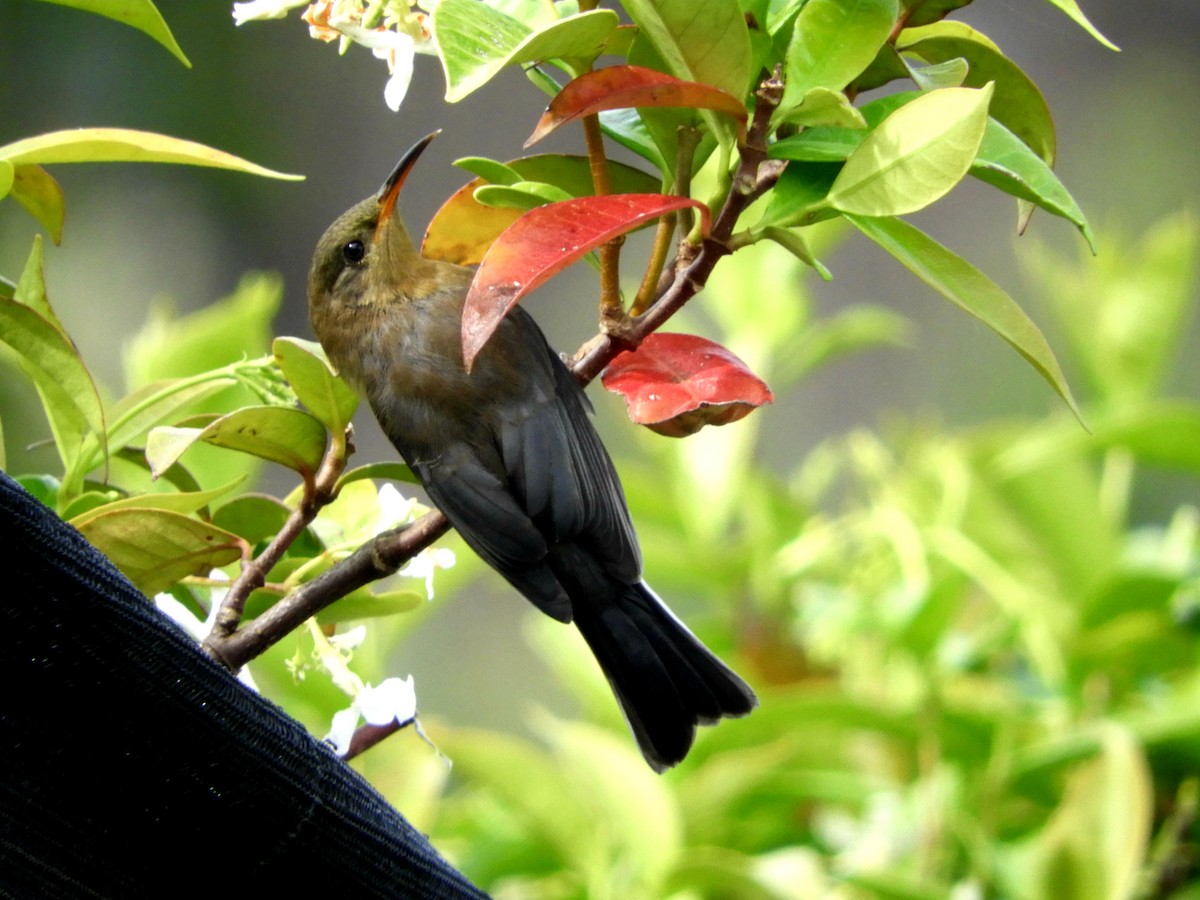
(556, 464)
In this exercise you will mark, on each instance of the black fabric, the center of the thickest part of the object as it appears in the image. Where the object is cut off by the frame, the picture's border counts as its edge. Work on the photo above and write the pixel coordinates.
(131, 765)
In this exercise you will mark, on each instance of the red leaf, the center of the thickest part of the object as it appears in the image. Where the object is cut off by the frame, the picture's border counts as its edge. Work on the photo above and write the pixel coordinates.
(676, 384)
(545, 241)
(619, 87)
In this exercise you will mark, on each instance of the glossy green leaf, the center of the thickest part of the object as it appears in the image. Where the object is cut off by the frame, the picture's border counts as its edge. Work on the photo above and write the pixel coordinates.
(833, 41)
(183, 503)
(307, 370)
(960, 282)
(155, 548)
(915, 156)
(80, 145)
(476, 41)
(706, 42)
(1017, 102)
(925, 12)
(489, 170)
(1007, 162)
(1071, 8)
(39, 193)
(139, 14)
(799, 197)
(290, 437)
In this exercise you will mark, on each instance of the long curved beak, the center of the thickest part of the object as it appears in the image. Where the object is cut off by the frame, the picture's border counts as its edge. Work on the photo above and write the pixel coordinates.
(391, 188)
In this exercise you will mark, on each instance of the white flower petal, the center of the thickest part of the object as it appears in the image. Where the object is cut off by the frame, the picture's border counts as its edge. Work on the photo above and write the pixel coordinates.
(257, 10)
(348, 641)
(393, 699)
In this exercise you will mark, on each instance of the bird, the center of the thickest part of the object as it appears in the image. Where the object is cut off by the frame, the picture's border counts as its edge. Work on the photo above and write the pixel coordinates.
(509, 454)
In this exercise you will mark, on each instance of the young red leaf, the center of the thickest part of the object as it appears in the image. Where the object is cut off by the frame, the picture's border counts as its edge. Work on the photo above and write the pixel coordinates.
(621, 87)
(545, 241)
(676, 384)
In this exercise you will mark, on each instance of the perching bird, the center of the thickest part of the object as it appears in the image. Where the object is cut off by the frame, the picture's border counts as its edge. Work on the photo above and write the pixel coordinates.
(509, 454)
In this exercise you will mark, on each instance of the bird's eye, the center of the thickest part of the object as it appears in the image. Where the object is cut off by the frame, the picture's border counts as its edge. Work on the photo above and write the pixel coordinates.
(353, 252)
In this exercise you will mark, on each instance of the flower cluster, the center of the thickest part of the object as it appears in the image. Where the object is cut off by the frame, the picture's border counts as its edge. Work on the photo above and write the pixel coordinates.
(393, 30)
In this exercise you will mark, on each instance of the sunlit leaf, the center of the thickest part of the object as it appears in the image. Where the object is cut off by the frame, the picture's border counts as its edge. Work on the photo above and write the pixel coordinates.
(307, 370)
(617, 87)
(290, 437)
(80, 145)
(139, 14)
(957, 280)
(545, 241)
(155, 548)
(915, 156)
(676, 384)
(1017, 102)
(833, 41)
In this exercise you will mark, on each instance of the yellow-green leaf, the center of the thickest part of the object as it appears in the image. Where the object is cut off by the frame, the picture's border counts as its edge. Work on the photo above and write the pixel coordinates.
(80, 145)
(307, 370)
(39, 193)
(139, 14)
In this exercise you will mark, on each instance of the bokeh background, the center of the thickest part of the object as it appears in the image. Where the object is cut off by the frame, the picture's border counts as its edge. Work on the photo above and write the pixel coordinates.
(139, 235)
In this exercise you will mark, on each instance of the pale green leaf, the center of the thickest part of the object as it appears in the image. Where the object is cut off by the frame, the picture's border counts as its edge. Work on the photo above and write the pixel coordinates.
(290, 437)
(490, 170)
(396, 471)
(86, 145)
(833, 41)
(140, 14)
(155, 548)
(367, 604)
(307, 370)
(823, 107)
(915, 156)
(184, 502)
(960, 282)
(1071, 8)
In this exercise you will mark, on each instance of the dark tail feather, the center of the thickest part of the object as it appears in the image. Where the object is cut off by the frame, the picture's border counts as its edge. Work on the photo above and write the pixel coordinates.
(666, 681)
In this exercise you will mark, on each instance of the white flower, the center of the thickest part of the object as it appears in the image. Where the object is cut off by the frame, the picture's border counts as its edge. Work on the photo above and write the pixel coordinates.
(257, 10)
(394, 508)
(393, 700)
(425, 563)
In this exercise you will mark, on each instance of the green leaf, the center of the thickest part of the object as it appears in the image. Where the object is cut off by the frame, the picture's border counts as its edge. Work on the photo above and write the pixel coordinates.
(833, 41)
(957, 280)
(825, 107)
(7, 174)
(798, 198)
(39, 193)
(476, 41)
(139, 14)
(1071, 8)
(1017, 102)
(307, 370)
(1007, 162)
(290, 437)
(522, 195)
(793, 241)
(1094, 845)
(490, 170)
(49, 359)
(394, 471)
(155, 548)
(706, 42)
(916, 156)
(253, 517)
(182, 503)
(79, 145)
(924, 12)
(367, 604)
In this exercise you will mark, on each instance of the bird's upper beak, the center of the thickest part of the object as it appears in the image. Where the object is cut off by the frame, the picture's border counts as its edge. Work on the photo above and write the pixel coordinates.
(391, 188)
